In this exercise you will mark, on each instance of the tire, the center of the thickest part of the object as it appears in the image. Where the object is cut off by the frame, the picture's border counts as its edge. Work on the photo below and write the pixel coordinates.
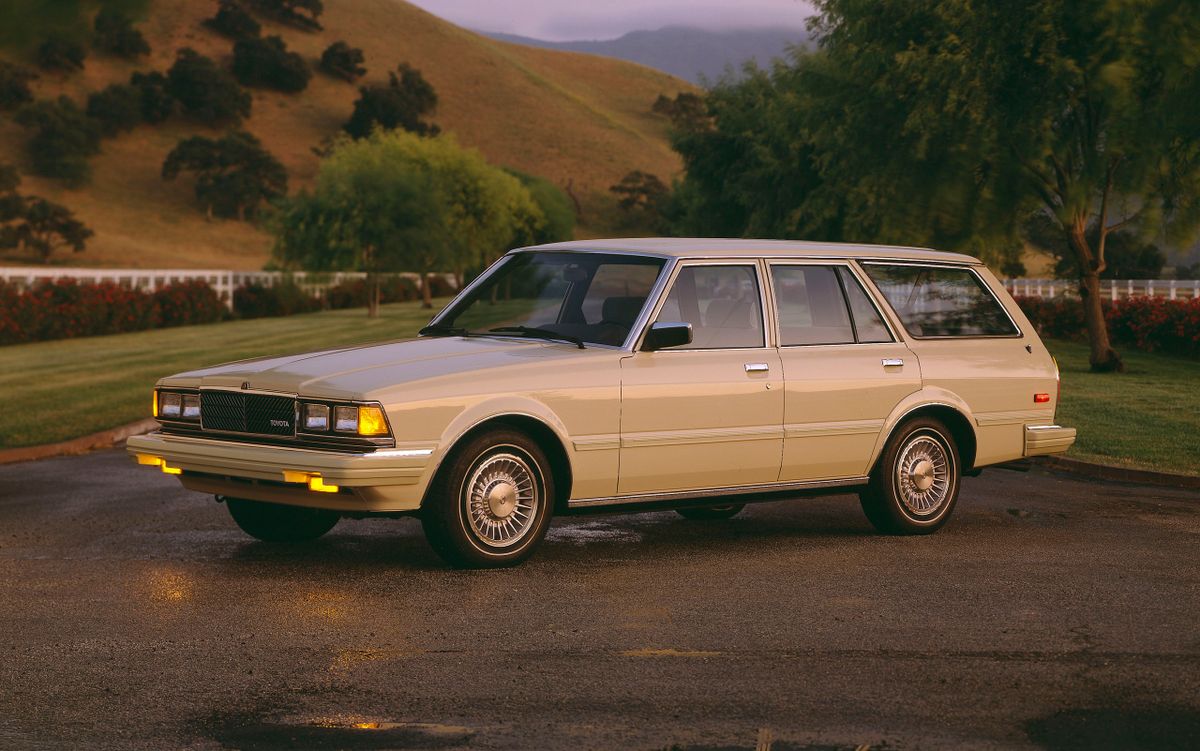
(491, 502)
(915, 485)
(711, 513)
(274, 522)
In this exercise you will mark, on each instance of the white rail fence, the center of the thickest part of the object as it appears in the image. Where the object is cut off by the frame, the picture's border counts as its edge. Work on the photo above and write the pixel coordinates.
(1113, 289)
(223, 281)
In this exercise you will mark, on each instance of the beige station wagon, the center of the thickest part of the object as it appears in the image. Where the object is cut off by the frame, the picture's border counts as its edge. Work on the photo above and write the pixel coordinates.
(629, 375)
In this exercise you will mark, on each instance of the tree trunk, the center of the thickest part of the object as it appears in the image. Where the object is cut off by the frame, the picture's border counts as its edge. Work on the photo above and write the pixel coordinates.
(372, 295)
(458, 279)
(1103, 358)
(426, 292)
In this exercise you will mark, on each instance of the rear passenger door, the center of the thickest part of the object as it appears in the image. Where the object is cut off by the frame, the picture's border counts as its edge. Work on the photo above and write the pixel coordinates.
(844, 370)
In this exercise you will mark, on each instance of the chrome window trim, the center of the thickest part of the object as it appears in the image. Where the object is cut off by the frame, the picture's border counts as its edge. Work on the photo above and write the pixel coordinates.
(970, 268)
(844, 263)
(676, 268)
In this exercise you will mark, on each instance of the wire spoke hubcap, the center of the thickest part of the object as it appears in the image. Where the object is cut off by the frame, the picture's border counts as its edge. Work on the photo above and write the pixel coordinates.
(501, 499)
(923, 476)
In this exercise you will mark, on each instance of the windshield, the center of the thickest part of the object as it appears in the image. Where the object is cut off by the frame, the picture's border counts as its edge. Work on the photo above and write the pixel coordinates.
(589, 297)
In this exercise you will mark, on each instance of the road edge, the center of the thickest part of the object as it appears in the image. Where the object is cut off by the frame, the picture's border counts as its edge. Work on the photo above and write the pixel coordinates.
(1111, 473)
(102, 440)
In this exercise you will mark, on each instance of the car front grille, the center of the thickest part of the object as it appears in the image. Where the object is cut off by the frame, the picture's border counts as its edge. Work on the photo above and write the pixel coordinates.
(256, 414)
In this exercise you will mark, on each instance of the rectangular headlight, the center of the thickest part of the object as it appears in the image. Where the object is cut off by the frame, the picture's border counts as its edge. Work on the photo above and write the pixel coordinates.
(191, 406)
(345, 419)
(316, 417)
(171, 405)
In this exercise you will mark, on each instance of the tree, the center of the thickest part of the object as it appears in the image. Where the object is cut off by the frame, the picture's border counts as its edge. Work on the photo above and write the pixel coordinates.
(115, 34)
(60, 54)
(403, 103)
(14, 85)
(1085, 111)
(1128, 256)
(555, 206)
(116, 109)
(235, 175)
(266, 62)
(206, 92)
(155, 101)
(643, 197)
(299, 13)
(343, 61)
(63, 140)
(234, 21)
(36, 224)
(687, 111)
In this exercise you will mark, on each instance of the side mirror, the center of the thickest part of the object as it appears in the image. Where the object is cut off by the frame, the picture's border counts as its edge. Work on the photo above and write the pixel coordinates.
(666, 335)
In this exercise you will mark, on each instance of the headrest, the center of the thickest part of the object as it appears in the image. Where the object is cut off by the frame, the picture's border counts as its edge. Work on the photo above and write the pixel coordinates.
(622, 310)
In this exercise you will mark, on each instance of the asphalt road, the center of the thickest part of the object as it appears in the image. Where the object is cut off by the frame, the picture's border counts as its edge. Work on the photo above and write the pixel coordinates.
(1050, 613)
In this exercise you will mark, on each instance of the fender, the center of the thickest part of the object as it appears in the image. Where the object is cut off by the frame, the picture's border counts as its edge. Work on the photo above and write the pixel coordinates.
(928, 396)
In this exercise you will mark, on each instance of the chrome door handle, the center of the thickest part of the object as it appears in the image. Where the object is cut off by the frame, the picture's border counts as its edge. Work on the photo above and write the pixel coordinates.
(757, 367)
(892, 362)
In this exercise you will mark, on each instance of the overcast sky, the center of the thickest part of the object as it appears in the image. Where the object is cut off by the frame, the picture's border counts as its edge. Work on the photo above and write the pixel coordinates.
(559, 21)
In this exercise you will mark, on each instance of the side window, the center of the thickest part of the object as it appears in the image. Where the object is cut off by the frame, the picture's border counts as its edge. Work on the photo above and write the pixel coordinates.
(812, 309)
(721, 302)
(868, 324)
(934, 301)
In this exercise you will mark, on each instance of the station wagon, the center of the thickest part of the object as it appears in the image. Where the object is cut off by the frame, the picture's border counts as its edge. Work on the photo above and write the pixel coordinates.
(696, 375)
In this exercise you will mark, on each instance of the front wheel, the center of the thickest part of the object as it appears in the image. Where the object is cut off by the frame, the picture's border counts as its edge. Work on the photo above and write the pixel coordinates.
(915, 485)
(275, 522)
(492, 502)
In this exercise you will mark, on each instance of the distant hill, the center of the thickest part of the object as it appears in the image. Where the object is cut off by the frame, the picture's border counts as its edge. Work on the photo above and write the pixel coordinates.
(571, 118)
(689, 53)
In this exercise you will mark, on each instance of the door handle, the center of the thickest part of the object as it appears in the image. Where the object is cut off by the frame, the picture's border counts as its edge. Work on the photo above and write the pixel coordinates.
(892, 362)
(757, 367)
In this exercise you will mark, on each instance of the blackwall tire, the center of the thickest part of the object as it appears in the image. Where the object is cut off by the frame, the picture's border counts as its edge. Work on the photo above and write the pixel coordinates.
(274, 522)
(915, 485)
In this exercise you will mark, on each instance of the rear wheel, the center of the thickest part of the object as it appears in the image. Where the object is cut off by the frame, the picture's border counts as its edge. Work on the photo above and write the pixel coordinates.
(708, 513)
(492, 502)
(915, 485)
(274, 522)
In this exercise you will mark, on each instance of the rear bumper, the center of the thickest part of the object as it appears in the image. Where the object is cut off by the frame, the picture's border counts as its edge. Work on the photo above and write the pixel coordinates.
(1041, 440)
(388, 480)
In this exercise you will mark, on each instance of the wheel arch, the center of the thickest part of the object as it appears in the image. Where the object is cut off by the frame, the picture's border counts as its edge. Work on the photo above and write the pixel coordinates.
(951, 413)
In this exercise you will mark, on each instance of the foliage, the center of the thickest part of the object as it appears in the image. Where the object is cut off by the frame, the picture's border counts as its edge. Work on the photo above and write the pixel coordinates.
(234, 21)
(116, 109)
(60, 53)
(1149, 324)
(299, 13)
(1127, 255)
(687, 111)
(66, 309)
(266, 62)
(402, 103)
(115, 34)
(155, 100)
(63, 140)
(343, 61)
(260, 301)
(234, 174)
(205, 91)
(556, 208)
(355, 294)
(14, 85)
(640, 192)
(43, 227)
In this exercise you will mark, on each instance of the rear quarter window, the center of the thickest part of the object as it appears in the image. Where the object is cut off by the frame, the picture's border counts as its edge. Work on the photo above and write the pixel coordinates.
(934, 301)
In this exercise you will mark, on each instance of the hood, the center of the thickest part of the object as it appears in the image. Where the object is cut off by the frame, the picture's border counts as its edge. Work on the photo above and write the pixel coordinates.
(356, 372)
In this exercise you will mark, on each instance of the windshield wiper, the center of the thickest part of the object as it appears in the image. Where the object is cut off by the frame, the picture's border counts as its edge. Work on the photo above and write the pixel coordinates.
(440, 330)
(538, 333)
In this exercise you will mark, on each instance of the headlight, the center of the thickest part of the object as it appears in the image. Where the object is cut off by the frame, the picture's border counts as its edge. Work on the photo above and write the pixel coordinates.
(191, 406)
(171, 405)
(316, 417)
(345, 419)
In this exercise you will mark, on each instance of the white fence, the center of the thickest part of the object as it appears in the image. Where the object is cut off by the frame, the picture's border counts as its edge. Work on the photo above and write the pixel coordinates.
(223, 281)
(1113, 289)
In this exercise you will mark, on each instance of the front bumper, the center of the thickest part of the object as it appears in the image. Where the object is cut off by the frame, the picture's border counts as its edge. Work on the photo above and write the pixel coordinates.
(1041, 440)
(387, 480)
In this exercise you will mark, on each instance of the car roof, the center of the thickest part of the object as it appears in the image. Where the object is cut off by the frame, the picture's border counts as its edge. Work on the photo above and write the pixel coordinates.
(684, 247)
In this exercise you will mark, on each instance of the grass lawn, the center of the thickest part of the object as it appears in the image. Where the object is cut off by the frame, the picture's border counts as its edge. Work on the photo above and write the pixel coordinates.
(53, 391)
(1147, 417)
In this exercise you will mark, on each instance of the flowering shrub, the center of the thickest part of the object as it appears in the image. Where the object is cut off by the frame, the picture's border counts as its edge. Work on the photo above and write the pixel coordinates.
(259, 301)
(1151, 324)
(63, 309)
(354, 294)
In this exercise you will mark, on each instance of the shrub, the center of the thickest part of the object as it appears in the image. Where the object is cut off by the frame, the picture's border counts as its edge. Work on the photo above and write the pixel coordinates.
(343, 61)
(116, 108)
(61, 54)
(259, 301)
(115, 35)
(234, 21)
(206, 92)
(354, 294)
(1150, 324)
(14, 85)
(64, 309)
(64, 140)
(266, 62)
(154, 99)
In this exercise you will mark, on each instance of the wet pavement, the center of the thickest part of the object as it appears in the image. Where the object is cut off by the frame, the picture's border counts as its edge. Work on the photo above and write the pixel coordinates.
(1050, 613)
